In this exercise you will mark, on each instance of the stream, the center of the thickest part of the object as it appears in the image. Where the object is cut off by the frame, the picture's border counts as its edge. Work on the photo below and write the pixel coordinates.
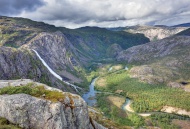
(127, 102)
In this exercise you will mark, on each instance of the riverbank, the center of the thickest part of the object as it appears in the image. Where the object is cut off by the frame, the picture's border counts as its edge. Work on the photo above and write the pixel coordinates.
(165, 109)
(126, 106)
(175, 110)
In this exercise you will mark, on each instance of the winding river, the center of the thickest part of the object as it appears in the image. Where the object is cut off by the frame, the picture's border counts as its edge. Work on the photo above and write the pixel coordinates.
(90, 96)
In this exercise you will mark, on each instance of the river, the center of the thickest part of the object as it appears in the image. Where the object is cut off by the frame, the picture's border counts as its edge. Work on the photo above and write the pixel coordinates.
(90, 96)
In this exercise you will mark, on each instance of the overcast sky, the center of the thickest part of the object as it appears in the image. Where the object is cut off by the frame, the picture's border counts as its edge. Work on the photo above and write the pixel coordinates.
(102, 13)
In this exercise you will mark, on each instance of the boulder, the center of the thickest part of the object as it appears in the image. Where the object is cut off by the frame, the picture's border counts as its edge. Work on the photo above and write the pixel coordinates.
(37, 113)
(174, 84)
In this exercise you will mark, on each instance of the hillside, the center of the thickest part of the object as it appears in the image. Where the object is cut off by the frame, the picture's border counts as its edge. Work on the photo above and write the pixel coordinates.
(162, 61)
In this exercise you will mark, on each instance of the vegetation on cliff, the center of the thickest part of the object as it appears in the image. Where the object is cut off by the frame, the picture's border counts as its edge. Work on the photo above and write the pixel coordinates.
(33, 90)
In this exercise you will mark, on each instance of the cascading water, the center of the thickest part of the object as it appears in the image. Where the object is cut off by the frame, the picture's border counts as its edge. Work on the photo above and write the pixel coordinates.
(54, 73)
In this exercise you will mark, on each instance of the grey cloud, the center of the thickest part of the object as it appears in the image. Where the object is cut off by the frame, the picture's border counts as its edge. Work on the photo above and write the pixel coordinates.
(78, 13)
(12, 7)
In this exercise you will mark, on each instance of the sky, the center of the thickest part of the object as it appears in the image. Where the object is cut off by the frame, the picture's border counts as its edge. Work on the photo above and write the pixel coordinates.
(102, 13)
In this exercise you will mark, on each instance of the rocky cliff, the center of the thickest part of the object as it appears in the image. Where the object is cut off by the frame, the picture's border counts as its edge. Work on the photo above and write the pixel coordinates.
(58, 53)
(155, 32)
(24, 63)
(69, 112)
(19, 63)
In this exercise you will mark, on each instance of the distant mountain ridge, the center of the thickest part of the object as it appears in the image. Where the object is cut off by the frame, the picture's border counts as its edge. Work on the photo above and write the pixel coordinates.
(155, 32)
(182, 25)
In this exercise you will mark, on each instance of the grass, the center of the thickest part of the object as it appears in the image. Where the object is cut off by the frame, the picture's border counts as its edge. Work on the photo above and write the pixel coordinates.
(5, 124)
(36, 91)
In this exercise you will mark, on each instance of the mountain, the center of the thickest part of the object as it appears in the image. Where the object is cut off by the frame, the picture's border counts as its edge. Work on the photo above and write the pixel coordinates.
(182, 25)
(67, 52)
(94, 41)
(22, 30)
(155, 32)
(162, 61)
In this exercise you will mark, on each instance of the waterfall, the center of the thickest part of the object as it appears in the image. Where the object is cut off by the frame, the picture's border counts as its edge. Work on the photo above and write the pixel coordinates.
(46, 65)
(54, 73)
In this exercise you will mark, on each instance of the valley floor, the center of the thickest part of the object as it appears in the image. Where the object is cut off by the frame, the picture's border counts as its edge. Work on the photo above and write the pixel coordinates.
(147, 99)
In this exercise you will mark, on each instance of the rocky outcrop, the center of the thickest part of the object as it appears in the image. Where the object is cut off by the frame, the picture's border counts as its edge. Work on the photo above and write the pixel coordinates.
(37, 113)
(156, 32)
(175, 84)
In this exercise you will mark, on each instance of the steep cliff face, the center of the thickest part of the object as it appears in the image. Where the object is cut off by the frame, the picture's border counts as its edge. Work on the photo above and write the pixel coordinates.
(71, 112)
(23, 63)
(19, 63)
(161, 61)
(58, 53)
(155, 33)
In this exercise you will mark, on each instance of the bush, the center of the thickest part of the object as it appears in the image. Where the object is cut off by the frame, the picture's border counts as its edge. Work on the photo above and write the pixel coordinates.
(136, 119)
